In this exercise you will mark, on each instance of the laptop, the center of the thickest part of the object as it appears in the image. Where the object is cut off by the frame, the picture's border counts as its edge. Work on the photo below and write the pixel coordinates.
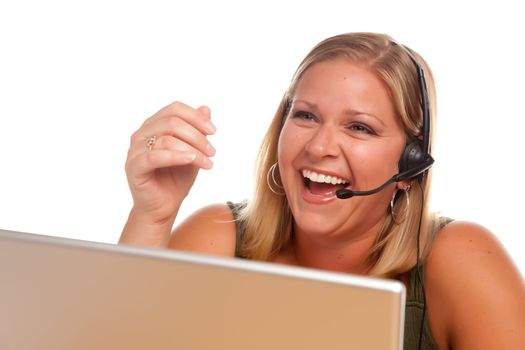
(59, 293)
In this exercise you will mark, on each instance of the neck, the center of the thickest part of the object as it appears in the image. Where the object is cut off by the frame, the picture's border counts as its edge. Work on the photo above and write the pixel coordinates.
(334, 253)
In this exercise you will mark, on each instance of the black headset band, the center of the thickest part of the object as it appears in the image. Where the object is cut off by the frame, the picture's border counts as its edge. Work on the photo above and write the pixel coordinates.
(423, 93)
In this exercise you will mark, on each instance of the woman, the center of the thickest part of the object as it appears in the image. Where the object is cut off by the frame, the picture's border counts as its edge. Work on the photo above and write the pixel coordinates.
(352, 107)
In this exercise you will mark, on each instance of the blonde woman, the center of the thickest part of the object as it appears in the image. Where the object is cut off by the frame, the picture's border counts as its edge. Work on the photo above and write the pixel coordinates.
(354, 104)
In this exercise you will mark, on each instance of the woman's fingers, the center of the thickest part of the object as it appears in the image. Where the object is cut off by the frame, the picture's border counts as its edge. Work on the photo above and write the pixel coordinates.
(176, 136)
(167, 151)
(199, 118)
(184, 129)
(167, 136)
(183, 139)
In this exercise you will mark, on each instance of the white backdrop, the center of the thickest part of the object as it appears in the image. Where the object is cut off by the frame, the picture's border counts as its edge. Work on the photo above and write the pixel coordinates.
(77, 78)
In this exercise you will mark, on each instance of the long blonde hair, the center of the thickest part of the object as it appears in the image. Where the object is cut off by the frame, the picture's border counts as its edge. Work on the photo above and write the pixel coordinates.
(267, 218)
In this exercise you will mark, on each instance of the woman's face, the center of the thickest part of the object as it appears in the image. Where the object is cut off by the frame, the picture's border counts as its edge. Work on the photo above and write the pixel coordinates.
(341, 131)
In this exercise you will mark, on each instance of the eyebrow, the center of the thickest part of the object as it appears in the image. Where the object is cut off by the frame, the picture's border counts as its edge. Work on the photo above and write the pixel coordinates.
(350, 112)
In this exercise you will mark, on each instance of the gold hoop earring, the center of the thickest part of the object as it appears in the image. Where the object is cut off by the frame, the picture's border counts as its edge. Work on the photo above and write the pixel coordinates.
(271, 172)
(395, 216)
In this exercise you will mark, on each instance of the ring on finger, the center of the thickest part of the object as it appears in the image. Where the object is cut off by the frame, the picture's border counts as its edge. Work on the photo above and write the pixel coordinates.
(151, 142)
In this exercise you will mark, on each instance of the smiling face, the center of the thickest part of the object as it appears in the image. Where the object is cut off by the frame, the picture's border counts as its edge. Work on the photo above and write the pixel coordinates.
(341, 131)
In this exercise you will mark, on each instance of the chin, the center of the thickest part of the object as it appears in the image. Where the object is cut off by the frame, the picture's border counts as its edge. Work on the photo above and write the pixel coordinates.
(315, 223)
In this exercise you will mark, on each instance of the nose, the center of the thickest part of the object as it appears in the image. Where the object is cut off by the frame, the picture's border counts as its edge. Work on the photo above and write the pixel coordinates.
(323, 143)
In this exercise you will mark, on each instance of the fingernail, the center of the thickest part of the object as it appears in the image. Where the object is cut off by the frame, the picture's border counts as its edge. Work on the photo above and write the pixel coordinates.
(210, 150)
(208, 163)
(210, 128)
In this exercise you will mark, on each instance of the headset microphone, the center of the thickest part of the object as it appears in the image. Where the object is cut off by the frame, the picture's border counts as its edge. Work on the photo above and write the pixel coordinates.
(417, 169)
(416, 158)
(346, 193)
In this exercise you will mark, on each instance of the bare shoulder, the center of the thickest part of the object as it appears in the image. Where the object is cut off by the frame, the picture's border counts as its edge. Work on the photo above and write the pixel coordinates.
(210, 230)
(470, 249)
(475, 293)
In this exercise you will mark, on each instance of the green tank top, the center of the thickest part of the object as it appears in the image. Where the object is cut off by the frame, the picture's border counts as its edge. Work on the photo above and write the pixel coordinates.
(414, 304)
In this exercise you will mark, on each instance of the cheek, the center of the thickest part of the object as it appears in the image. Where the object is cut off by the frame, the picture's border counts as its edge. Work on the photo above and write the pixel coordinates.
(379, 159)
(289, 145)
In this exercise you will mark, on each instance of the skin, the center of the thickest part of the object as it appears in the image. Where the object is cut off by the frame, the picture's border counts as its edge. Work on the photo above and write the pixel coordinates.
(475, 295)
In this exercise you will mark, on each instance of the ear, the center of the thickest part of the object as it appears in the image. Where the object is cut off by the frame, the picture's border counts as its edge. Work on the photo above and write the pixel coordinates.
(403, 185)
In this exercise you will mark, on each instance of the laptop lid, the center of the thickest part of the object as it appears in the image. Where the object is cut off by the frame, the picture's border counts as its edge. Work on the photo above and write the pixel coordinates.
(58, 293)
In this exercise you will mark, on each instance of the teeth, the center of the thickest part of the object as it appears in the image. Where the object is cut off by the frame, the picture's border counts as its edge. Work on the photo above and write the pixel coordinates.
(315, 177)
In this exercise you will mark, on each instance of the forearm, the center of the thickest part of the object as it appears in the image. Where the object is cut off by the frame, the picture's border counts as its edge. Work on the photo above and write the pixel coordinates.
(141, 231)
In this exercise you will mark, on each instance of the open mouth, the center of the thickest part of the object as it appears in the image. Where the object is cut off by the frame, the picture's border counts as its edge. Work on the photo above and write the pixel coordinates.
(321, 184)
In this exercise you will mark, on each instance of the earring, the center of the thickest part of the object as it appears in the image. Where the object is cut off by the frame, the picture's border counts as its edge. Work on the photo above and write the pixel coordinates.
(395, 216)
(271, 172)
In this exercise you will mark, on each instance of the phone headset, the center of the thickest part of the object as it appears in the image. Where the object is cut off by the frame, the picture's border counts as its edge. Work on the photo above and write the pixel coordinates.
(415, 159)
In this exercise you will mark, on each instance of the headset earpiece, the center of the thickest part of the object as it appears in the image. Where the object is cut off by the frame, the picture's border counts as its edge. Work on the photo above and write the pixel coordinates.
(412, 156)
(413, 161)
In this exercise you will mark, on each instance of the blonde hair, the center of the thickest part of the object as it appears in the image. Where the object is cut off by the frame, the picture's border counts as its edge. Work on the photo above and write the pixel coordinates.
(267, 217)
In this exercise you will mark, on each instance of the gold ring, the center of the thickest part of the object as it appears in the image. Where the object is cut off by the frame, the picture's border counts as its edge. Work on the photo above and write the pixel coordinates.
(151, 142)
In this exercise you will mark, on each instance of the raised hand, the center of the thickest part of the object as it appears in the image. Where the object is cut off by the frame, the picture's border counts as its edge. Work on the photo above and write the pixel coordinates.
(164, 158)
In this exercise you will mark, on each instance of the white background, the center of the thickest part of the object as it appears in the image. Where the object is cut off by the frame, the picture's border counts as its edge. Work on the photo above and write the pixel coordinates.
(78, 77)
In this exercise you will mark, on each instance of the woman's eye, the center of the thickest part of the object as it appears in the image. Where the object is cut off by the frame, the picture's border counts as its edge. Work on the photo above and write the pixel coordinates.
(361, 129)
(304, 115)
